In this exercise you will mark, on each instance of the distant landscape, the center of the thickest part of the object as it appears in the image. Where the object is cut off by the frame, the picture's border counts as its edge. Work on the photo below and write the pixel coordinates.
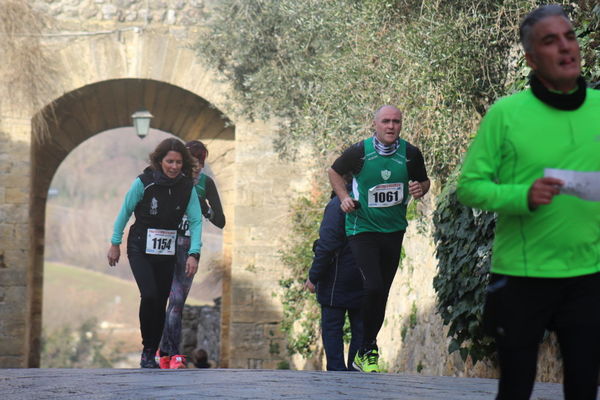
(84, 199)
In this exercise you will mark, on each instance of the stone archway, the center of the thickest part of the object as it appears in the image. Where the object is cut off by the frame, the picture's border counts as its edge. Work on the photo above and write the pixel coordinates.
(101, 106)
(108, 63)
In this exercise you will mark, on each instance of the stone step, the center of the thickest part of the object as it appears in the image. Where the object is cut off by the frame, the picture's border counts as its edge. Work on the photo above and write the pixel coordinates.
(97, 384)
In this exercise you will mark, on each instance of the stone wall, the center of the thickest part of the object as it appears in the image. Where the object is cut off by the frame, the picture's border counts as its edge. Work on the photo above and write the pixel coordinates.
(164, 12)
(105, 62)
(201, 328)
(14, 238)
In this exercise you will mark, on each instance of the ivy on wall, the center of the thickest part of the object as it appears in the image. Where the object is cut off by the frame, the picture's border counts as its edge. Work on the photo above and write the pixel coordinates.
(300, 308)
(463, 237)
(323, 66)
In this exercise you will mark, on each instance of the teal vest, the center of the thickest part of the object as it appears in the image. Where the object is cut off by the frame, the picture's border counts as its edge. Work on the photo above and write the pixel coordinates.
(381, 188)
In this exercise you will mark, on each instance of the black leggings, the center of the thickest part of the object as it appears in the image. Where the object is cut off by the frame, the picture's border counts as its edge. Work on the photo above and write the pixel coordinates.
(377, 256)
(153, 275)
(518, 311)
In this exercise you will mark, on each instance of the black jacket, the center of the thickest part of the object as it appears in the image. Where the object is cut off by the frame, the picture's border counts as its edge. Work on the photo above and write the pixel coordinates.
(333, 270)
(164, 202)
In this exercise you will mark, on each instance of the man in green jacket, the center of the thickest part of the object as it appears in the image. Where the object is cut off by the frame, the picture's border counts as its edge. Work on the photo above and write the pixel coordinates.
(546, 255)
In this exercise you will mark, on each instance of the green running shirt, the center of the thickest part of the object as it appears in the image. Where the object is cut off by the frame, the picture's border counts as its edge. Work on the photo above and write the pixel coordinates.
(518, 138)
(381, 187)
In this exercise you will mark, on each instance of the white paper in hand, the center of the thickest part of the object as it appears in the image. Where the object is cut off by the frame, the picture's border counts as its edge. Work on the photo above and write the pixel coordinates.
(585, 185)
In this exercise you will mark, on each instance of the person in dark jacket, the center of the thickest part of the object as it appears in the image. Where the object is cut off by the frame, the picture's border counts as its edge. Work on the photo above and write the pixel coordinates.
(335, 278)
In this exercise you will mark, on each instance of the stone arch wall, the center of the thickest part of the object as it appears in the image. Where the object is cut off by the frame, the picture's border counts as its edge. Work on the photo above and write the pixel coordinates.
(101, 78)
(94, 108)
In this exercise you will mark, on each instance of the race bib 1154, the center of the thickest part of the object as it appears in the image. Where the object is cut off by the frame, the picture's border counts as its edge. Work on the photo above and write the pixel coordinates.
(161, 242)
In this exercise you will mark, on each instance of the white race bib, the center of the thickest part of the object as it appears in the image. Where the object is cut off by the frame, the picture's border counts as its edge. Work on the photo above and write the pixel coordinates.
(161, 242)
(386, 195)
(184, 226)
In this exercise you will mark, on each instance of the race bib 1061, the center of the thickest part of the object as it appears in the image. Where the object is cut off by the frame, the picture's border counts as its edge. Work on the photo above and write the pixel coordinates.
(386, 195)
(161, 242)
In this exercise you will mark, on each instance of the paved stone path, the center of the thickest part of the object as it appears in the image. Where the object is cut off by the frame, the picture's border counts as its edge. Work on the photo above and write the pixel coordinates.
(96, 384)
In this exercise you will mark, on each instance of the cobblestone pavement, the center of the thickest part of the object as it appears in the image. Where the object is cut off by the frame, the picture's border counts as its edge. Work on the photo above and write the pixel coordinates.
(95, 384)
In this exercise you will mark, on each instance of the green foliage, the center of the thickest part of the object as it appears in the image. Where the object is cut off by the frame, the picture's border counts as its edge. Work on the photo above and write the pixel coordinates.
(347, 331)
(323, 66)
(412, 318)
(300, 309)
(420, 367)
(78, 348)
(587, 27)
(411, 322)
(384, 367)
(464, 245)
(274, 348)
(411, 210)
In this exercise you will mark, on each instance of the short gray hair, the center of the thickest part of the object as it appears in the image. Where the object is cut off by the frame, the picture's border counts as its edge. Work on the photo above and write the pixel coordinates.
(376, 113)
(535, 16)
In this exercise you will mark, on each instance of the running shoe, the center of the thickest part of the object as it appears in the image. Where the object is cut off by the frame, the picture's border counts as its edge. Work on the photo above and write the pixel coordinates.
(367, 362)
(147, 360)
(177, 362)
(164, 362)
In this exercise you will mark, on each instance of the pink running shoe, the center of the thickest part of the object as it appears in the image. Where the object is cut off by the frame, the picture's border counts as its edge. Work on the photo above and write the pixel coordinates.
(177, 362)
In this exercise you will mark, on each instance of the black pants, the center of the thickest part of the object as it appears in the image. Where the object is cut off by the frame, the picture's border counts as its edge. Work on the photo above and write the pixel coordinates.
(517, 312)
(332, 329)
(153, 275)
(377, 256)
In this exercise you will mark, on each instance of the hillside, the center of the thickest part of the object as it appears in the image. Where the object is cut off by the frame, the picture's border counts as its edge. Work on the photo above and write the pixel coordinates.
(85, 196)
(73, 295)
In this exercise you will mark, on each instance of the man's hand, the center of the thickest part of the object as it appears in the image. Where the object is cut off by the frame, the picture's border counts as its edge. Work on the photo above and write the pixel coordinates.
(191, 266)
(338, 184)
(347, 205)
(309, 285)
(542, 191)
(114, 253)
(415, 189)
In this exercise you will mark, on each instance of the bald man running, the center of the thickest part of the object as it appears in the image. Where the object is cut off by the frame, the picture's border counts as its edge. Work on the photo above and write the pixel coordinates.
(386, 171)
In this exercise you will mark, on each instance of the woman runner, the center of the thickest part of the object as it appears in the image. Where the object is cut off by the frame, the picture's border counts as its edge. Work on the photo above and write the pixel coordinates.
(169, 355)
(159, 197)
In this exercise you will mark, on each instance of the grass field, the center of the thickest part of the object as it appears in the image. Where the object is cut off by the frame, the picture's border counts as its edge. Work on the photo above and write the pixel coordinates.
(73, 295)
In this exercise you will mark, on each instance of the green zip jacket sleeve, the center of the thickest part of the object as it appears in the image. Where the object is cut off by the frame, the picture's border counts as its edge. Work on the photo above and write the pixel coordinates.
(480, 184)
